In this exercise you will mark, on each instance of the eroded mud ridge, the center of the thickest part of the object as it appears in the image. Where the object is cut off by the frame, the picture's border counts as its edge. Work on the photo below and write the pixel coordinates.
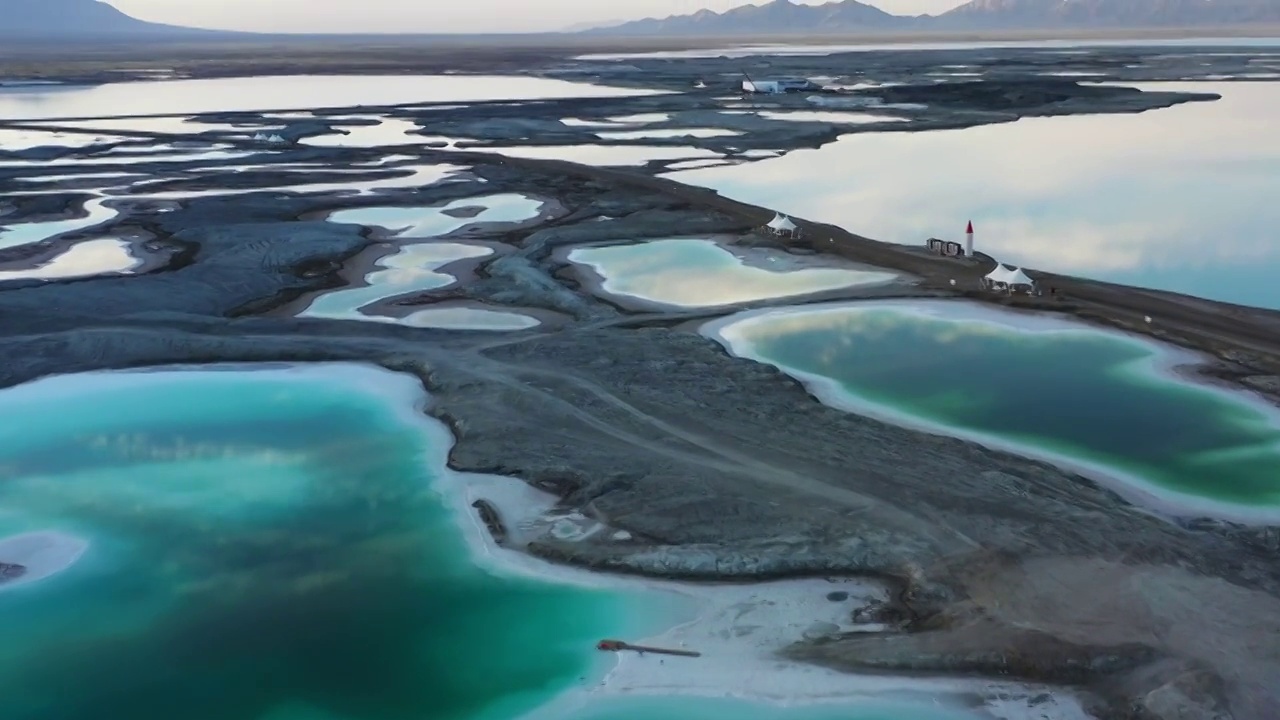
(716, 468)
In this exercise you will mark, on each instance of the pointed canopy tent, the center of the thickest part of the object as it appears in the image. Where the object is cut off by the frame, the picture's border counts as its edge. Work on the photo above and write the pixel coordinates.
(1017, 277)
(1000, 274)
(781, 225)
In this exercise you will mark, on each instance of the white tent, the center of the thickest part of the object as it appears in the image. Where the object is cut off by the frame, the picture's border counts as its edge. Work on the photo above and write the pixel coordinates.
(1000, 274)
(781, 225)
(1017, 277)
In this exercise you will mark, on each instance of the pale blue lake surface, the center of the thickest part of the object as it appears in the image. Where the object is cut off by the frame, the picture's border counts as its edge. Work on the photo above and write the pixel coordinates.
(697, 272)
(1180, 199)
(280, 92)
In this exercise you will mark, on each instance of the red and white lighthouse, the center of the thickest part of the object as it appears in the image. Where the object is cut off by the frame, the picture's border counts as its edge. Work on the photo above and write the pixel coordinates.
(968, 240)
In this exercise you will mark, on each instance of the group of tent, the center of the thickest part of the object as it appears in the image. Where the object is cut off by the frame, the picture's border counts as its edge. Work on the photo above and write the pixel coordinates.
(783, 226)
(1004, 278)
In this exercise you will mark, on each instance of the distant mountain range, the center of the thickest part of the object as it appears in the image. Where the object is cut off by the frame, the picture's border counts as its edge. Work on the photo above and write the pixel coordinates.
(35, 19)
(92, 19)
(787, 17)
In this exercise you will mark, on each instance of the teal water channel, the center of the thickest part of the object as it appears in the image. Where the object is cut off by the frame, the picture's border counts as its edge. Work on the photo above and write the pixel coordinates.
(697, 272)
(283, 543)
(1042, 386)
(272, 544)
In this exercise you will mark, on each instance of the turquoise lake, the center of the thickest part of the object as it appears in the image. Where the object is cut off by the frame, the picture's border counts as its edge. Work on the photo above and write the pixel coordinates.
(1094, 398)
(267, 544)
(279, 543)
(1177, 199)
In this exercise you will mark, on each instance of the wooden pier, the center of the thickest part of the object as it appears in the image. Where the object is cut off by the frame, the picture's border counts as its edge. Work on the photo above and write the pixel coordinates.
(619, 646)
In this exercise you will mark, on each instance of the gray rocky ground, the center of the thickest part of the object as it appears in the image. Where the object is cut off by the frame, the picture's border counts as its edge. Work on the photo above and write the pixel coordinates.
(717, 468)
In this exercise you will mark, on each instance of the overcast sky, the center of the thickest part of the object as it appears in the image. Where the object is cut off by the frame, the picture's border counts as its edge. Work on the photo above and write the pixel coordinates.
(438, 15)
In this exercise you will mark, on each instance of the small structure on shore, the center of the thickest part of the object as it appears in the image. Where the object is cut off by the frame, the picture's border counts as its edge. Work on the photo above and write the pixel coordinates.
(619, 646)
(950, 248)
(782, 226)
(1008, 280)
(946, 248)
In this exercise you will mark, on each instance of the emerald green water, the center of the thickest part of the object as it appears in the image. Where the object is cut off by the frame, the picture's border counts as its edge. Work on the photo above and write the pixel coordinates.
(282, 544)
(1090, 396)
(266, 545)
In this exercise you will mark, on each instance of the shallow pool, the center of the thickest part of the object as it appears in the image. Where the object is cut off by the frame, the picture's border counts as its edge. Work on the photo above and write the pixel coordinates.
(266, 543)
(282, 92)
(24, 233)
(443, 219)
(1046, 387)
(413, 268)
(696, 272)
(89, 257)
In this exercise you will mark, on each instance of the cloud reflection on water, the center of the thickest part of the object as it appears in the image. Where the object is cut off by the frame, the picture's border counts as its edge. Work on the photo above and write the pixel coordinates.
(1180, 199)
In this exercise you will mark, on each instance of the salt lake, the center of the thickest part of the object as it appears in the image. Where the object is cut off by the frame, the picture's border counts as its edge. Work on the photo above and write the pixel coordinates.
(413, 268)
(1177, 199)
(89, 257)
(421, 222)
(1044, 387)
(283, 542)
(279, 92)
(276, 543)
(697, 272)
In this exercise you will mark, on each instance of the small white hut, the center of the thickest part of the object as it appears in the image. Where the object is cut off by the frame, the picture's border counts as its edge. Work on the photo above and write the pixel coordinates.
(782, 226)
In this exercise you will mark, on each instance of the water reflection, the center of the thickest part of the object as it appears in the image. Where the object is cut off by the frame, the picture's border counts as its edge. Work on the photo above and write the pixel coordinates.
(1178, 199)
(91, 257)
(468, 318)
(600, 154)
(388, 131)
(666, 133)
(13, 139)
(171, 125)
(282, 92)
(443, 219)
(693, 272)
(1044, 386)
(828, 116)
(414, 268)
(95, 213)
